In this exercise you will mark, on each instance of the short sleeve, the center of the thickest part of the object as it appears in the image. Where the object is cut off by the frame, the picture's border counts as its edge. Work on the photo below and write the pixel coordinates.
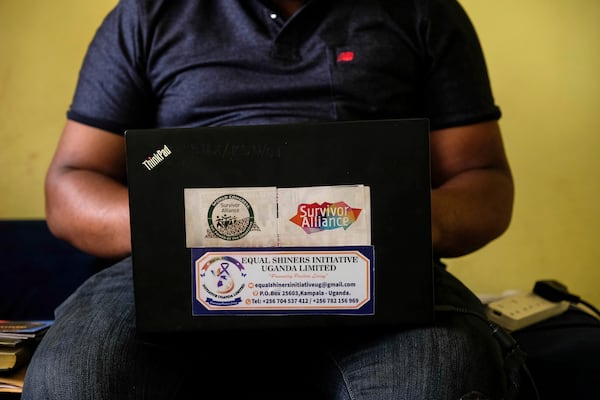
(458, 89)
(112, 92)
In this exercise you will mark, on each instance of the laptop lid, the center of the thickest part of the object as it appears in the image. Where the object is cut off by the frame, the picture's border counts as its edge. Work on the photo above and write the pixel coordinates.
(281, 226)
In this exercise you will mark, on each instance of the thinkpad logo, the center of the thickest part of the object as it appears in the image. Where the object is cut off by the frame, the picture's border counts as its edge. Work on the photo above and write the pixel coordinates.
(156, 158)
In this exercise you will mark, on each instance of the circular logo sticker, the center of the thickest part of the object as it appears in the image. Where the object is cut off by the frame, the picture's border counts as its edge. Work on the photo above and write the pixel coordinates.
(230, 217)
(221, 280)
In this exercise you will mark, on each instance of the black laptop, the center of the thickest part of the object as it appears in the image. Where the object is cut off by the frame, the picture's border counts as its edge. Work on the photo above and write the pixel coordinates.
(308, 225)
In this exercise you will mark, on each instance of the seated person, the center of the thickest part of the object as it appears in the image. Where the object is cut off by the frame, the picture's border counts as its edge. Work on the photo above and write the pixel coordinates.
(189, 63)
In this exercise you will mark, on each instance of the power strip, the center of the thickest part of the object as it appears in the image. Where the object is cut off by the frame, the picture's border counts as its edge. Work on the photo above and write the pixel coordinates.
(519, 311)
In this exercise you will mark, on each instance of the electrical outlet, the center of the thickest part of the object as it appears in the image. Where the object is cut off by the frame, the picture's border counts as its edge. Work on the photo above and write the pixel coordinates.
(519, 311)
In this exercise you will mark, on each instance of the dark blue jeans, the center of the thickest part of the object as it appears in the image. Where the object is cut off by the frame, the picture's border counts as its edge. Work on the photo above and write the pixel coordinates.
(92, 352)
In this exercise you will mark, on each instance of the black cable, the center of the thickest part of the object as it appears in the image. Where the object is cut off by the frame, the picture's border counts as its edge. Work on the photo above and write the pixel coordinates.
(514, 356)
(555, 291)
(590, 306)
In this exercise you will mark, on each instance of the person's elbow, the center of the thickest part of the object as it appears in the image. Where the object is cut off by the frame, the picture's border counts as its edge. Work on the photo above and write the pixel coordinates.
(503, 205)
(54, 205)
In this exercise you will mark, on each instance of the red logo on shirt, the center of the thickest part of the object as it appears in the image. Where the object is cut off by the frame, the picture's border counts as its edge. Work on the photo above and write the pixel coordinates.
(345, 56)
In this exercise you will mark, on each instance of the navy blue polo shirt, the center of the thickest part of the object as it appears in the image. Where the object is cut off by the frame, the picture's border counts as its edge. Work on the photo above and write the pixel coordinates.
(185, 63)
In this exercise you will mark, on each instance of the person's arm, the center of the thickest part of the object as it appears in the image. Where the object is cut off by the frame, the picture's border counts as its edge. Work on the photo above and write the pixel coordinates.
(472, 196)
(86, 197)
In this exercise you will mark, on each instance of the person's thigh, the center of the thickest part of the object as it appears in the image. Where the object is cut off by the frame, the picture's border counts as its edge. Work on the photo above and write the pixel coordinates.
(442, 362)
(91, 351)
(452, 358)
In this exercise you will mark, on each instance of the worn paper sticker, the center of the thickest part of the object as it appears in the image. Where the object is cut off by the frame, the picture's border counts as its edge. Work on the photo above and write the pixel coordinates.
(231, 217)
(274, 217)
(324, 216)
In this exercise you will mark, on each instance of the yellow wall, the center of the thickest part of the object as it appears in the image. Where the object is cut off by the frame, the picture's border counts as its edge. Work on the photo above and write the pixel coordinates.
(543, 57)
(543, 60)
(41, 48)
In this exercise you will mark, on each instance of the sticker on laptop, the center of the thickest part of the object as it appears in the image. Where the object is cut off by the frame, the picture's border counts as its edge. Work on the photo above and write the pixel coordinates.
(277, 217)
(283, 281)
